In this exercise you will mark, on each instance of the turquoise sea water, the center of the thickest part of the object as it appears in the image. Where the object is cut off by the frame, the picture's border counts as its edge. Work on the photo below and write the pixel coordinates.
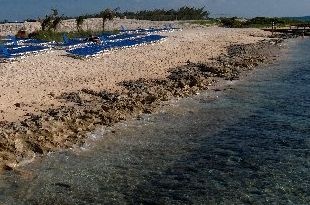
(250, 145)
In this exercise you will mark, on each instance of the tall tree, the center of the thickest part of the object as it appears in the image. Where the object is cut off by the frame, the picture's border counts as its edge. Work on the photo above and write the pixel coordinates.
(54, 12)
(56, 22)
(46, 23)
(51, 21)
(79, 22)
(106, 14)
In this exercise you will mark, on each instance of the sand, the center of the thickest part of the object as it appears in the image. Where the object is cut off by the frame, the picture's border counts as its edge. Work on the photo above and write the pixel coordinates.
(32, 84)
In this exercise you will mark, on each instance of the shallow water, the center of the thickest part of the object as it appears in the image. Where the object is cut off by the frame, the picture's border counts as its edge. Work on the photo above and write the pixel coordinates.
(251, 145)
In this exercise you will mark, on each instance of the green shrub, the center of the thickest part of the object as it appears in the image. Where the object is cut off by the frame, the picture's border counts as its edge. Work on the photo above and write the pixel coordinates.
(257, 22)
(233, 22)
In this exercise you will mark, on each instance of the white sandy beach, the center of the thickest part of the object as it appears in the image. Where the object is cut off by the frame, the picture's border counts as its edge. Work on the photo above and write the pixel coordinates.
(31, 84)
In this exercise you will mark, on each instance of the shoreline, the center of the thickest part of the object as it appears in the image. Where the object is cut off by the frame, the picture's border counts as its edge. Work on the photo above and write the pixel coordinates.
(84, 110)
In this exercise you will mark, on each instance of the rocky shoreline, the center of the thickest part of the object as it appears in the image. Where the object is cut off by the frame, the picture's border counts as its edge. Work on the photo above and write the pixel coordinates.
(67, 126)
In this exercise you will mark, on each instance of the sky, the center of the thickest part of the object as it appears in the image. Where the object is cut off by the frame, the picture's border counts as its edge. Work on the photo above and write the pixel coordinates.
(17, 10)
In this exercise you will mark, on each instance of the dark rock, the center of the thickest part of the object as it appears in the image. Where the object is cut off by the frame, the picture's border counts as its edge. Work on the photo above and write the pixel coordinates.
(71, 97)
(17, 105)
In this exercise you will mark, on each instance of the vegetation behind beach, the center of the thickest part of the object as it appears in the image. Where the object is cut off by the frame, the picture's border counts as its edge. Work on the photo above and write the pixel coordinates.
(260, 22)
(191, 15)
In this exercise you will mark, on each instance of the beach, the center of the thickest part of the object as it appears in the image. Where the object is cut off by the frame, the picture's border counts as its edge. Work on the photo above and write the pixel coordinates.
(36, 80)
(51, 101)
(246, 142)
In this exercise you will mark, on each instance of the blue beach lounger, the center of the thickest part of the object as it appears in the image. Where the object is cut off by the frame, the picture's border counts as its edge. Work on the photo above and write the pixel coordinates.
(123, 41)
(87, 51)
(19, 51)
(5, 54)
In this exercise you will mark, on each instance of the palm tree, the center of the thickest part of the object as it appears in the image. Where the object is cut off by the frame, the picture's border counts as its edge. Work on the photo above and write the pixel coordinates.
(46, 23)
(51, 21)
(106, 15)
(79, 22)
(56, 22)
(54, 12)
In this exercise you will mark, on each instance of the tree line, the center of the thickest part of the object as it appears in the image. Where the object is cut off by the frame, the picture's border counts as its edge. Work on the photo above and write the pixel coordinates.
(183, 13)
(51, 21)
(259, 22)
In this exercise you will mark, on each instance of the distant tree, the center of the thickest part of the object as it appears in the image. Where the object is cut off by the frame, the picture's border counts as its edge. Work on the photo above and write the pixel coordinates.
(191, 13)
(183, 13)
(56, 22)
(233, 22)
(51, 21)
(106, 14)
(79, 22)
(118, 13)
(54, 12)
(46, 23)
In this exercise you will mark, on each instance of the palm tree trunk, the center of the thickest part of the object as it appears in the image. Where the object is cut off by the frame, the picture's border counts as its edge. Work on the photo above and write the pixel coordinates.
(103, 22)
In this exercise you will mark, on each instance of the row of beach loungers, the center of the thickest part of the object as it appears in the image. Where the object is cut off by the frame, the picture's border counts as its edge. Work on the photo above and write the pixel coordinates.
(12, 48)
(108, 45)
